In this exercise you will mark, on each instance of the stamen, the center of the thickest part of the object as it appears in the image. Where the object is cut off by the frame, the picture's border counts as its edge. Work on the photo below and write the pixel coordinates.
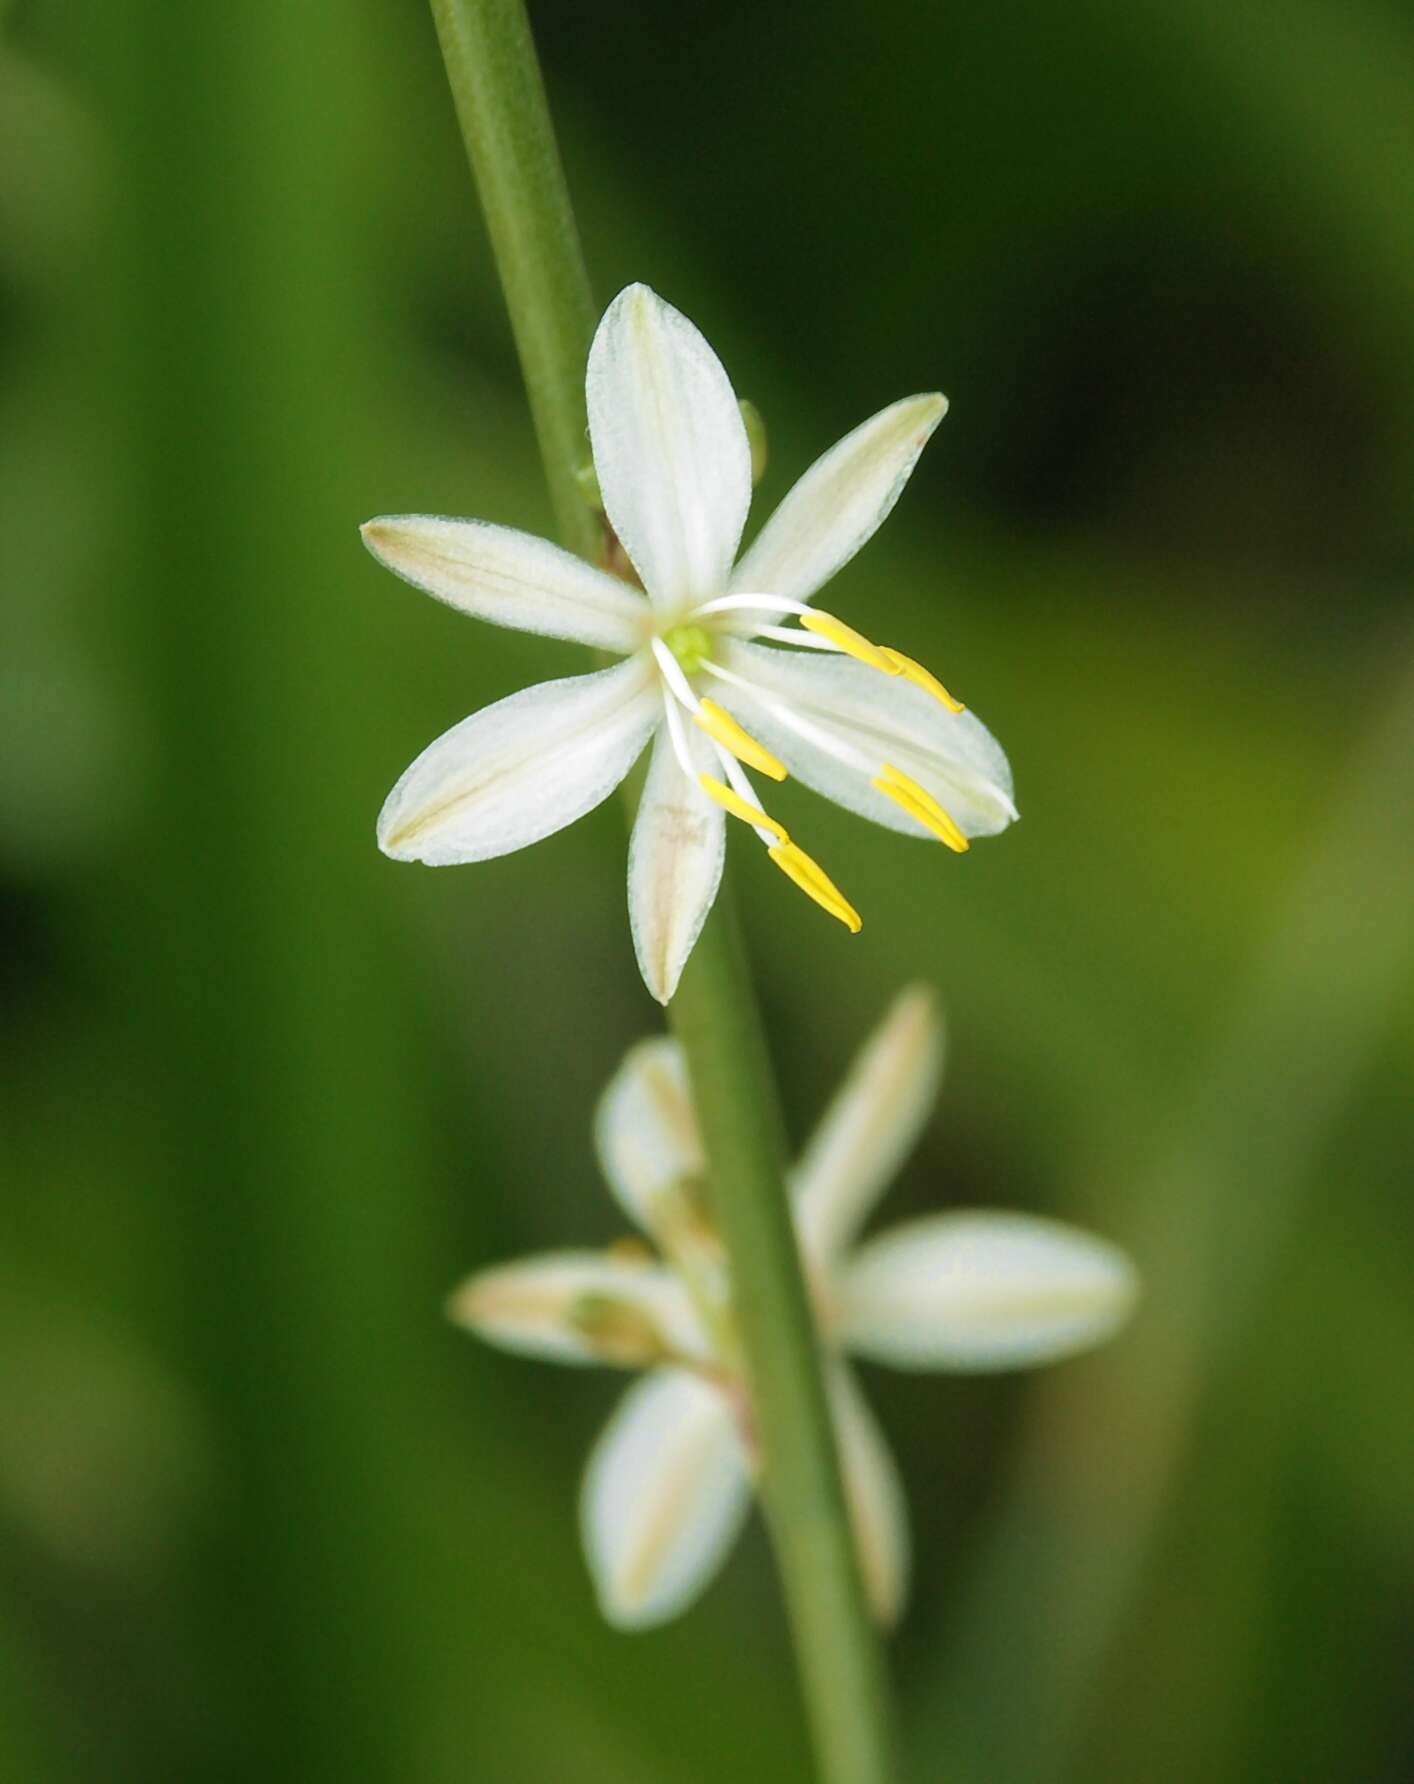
(743, 809)
(673, 675)
(737, 780)
(892, 782)
(631, 1251)
(815, 883)
(748, 603)
(845, 638)
(720, 725)
(677, 737)
(831, 633)
(616, 1331)
(794, 635)
(920, 677)
(791, 719)
(920, 805)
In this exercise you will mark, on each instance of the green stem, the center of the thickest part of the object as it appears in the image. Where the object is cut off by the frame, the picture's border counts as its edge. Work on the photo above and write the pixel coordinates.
(714, 1016)
(494, 75)
(500, 102)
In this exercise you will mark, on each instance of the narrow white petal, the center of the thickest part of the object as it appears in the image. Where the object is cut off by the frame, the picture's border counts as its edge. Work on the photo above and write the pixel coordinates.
(520, 770)
(982, 1291)
(840, 502)
(953, 755)
(580, 1307)
(510, 578)
(646, 1129)
(877, 1509)
(872, 1124)
(665, 1493)
(674, 864)
(670, 447)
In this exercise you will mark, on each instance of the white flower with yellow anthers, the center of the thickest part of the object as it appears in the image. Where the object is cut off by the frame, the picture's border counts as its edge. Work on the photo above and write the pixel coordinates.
(859, 722)
(669, 1481)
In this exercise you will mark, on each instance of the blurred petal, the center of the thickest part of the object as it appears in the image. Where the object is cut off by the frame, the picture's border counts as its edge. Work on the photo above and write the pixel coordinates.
(872, 1124)
(982, 1291)
(580, 1307)
(952, 755)
(674, 865)
(665, 1493)
(510, 578)
(520, 770)
(877, 1509)
(670, 447)
(840, 502)
(646, 1130)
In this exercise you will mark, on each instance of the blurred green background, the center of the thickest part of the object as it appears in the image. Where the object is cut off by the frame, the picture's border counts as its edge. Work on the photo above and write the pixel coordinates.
(264, 1096)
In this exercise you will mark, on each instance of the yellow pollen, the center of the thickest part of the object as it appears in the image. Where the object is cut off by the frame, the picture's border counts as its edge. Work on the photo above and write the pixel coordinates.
(825, 625)
(721, 725)
(741, 808)
(815, 883)
(920, 677)
(920, 805)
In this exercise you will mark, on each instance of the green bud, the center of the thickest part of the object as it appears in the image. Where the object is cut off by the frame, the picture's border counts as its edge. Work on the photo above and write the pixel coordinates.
(588, 480)
(756, 435)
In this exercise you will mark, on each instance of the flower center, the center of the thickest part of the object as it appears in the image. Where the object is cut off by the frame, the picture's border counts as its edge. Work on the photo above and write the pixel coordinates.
(686, 649)
(691, 645)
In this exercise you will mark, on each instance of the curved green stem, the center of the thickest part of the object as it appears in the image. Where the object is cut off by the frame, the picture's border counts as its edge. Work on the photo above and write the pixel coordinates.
(500, 102)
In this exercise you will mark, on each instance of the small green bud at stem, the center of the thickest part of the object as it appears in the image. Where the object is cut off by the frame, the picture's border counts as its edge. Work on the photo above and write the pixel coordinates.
(756, 436)
(587, 479)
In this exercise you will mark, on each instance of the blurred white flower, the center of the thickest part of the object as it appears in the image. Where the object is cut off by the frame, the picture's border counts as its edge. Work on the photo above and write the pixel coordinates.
(859, 722)
(669, 1481)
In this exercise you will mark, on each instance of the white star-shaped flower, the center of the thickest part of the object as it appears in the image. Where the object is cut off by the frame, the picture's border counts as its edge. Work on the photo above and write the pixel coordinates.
(669, 1481)
(859, 722)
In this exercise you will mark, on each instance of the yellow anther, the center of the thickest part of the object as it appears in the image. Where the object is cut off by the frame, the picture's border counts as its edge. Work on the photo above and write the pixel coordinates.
(741, 808)
(721, 725)
(632, 1252)
(920, 805)
(920, 677)
(815, 883)
(616, 1331)
(825, 625)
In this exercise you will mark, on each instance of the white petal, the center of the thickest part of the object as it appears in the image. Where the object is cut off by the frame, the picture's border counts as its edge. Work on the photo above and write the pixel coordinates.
(953, 755)
(538, 1306)
(646, 1129)
(521, 769)
(670, 447)
(510, 578)
(840, 502)
(872, 1124)
(664, 1495)
(982, 1291)
(674, 865)
(877, 1509)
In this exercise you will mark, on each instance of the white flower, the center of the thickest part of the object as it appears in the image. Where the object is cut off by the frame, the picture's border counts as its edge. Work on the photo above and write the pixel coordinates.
(861, 723)
(669, 1480)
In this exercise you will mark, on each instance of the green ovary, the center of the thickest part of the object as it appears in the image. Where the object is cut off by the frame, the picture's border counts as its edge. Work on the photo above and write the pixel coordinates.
(691, 645)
